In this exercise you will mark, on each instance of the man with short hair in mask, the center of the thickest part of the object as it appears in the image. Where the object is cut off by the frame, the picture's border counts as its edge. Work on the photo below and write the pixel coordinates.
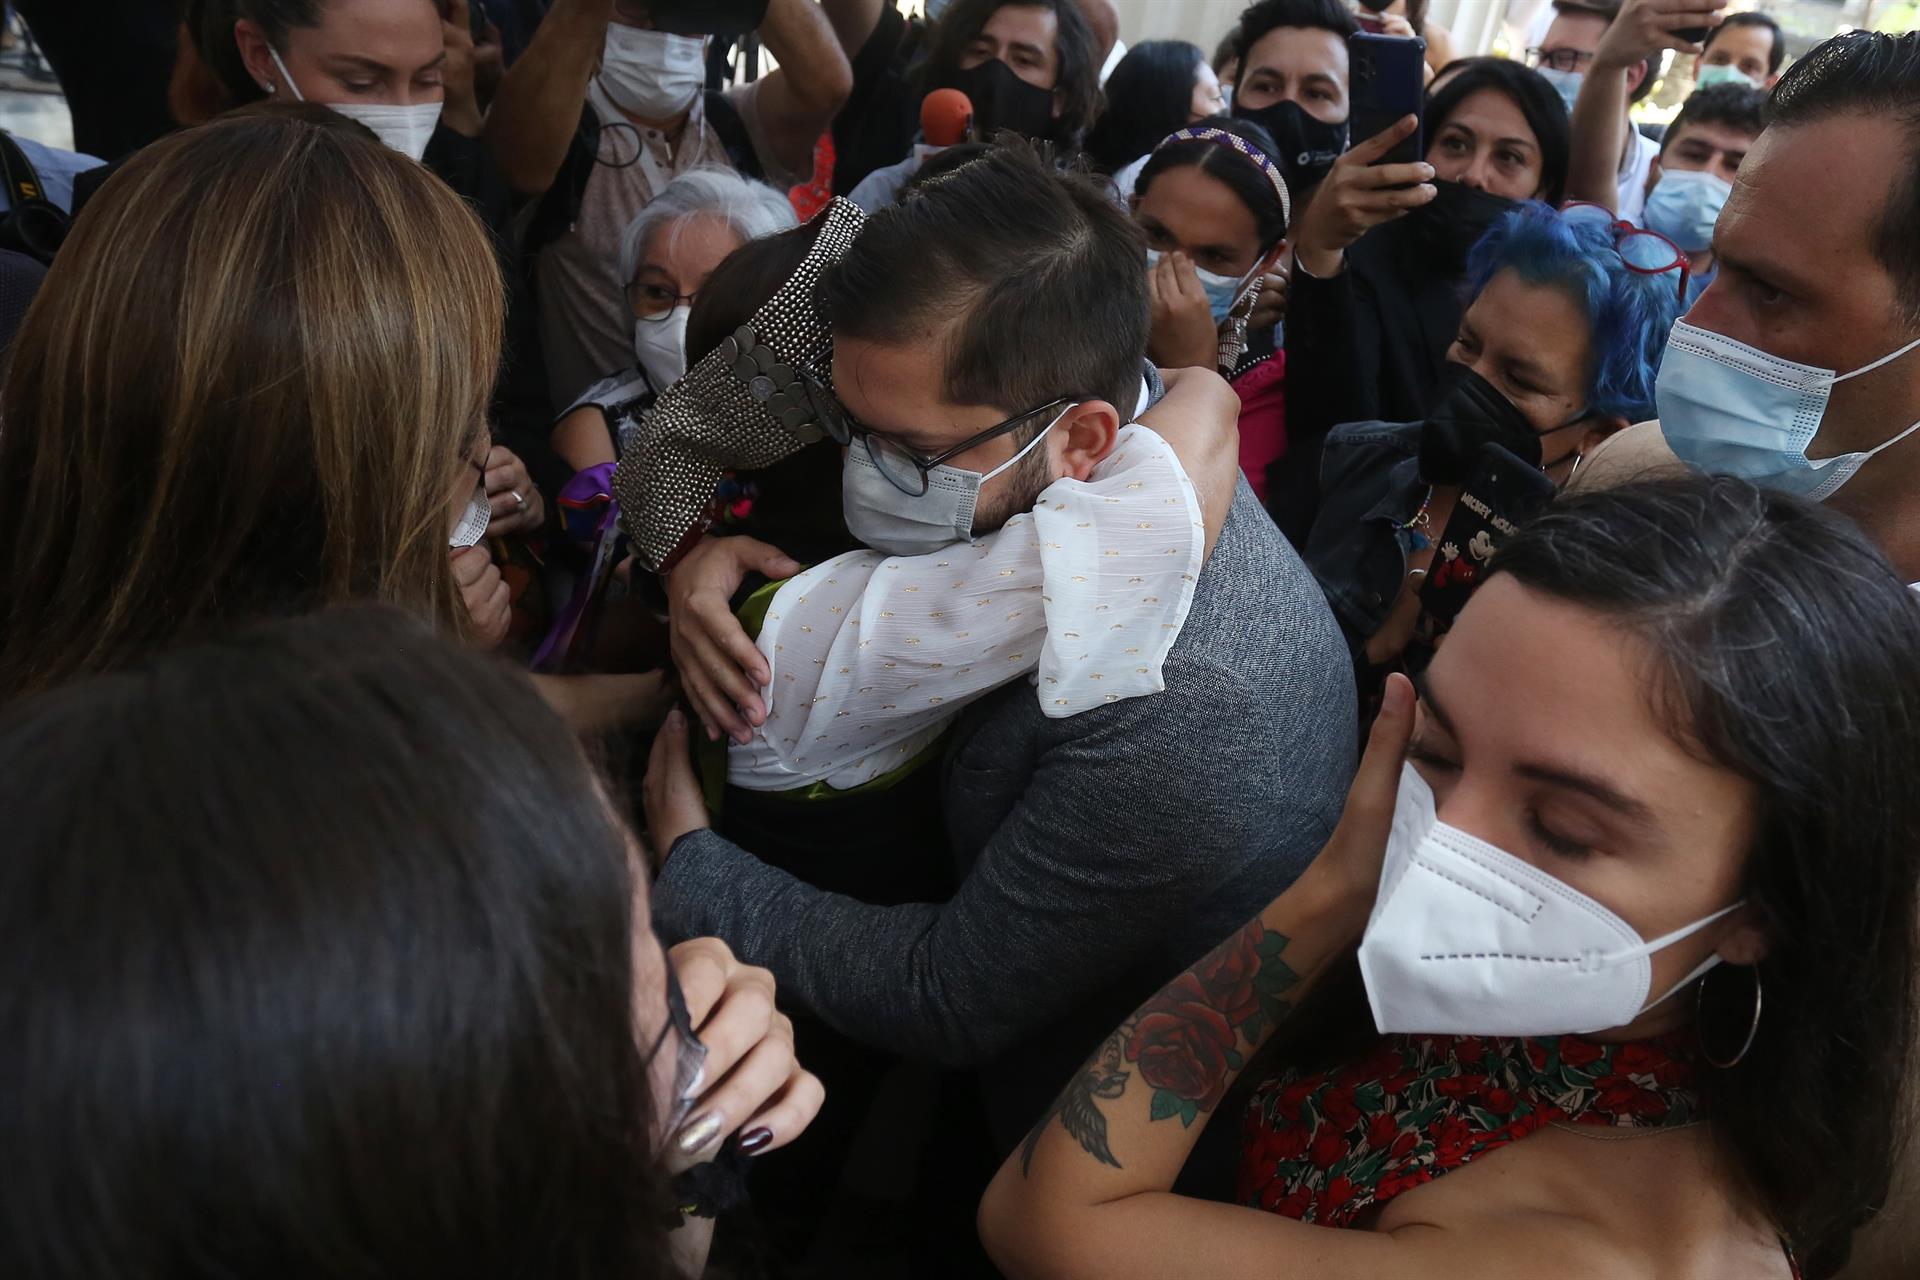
(1292, 82)
(989, 335)
(1747, 49)
(1568, 56)
(1799, 367)
(605, 108)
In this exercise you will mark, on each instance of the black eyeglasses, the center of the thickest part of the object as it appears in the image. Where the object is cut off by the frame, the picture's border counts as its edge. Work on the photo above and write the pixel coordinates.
(904, 468)
(654, 302)
(1558, 59)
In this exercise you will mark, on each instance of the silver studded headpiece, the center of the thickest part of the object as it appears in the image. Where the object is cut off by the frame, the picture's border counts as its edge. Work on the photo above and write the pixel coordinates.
(742, 407)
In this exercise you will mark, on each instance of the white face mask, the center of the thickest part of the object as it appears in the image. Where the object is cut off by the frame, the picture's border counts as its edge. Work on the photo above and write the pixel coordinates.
(902, 524)
(1466, 939)
(473, 521)
(1729, 409)
(652, 74)
(661, 347)
(404, 129)
(1723, 73)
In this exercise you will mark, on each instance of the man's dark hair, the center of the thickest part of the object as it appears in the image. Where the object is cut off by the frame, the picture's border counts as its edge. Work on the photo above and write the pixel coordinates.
(1078, 80)
(1737, 106)
(318, 944)
(1869, 73)
(1039, 271)
(1775, 56)
(1270, 15)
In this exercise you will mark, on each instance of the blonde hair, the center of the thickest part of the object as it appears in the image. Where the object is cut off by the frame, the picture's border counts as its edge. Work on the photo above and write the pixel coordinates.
(247, 387)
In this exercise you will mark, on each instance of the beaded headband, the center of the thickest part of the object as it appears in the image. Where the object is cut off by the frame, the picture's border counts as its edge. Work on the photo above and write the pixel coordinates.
(1233, 141)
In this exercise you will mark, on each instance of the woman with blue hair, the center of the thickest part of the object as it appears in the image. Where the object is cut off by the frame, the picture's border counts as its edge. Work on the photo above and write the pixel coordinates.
(1558, 350)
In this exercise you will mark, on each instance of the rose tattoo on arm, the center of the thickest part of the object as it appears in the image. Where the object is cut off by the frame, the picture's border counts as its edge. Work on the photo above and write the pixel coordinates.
(1186, 1042)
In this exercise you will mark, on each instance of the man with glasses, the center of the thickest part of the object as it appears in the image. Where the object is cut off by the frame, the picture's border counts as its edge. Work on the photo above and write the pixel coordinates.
(989, 339)
(1565, 56)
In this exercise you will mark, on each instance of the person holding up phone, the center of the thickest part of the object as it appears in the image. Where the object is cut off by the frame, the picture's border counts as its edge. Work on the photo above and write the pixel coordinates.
(606, 107)
(1601, 125)
(1380, 254)
(1543, 363)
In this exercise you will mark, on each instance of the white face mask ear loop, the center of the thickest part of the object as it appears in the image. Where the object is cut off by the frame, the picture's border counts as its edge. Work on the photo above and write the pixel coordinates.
(1031, 444)
(292, 88)
(1678, 935)
(1889, 358)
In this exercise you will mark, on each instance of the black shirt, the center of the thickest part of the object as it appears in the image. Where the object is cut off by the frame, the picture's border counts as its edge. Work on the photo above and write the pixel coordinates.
(1366, 345)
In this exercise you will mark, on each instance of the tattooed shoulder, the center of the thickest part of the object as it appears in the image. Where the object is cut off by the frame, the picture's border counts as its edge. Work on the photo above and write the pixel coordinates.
(1187, 1042)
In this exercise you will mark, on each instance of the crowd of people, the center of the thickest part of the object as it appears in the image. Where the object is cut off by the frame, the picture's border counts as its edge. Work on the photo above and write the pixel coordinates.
(662, 637)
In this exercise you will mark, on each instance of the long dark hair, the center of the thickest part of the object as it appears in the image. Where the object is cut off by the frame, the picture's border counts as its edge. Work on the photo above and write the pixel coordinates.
(1148, 96)
(1239, 173)
(1527, 89)
(318, 950)
(1783, 649)
(1079, 75)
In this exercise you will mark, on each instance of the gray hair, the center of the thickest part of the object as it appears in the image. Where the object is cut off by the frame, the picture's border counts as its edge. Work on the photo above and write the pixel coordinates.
(751, 209)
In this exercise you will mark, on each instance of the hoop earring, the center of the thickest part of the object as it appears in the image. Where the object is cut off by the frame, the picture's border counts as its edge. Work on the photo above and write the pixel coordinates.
(1699, 1004)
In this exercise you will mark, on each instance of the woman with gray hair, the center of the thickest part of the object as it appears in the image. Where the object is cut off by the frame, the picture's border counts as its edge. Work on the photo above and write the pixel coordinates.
(666, 254)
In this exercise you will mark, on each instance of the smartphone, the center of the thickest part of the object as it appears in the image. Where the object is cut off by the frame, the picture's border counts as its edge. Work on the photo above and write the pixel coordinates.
(1500, 495)
(1389, 81)
(707, 17)
(1693, 35)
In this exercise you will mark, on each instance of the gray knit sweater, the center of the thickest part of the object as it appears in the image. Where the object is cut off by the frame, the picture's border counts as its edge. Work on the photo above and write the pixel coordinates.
(1100, 853)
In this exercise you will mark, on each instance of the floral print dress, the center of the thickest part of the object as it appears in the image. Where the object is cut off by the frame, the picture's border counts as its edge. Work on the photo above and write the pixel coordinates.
(1323, 1147)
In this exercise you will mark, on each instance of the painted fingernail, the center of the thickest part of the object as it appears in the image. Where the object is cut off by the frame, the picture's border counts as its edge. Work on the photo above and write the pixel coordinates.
(699, 1133)
(754, 1139)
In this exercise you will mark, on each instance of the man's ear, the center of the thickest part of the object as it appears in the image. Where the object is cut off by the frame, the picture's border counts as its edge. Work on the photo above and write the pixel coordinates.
(1086, 435)
(1636, 75)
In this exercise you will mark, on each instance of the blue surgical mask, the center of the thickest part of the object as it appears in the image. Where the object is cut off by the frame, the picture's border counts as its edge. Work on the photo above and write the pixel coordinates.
(1733, 410)
(902, 524)
(1723, 73)
(1565, 83)
(1684, 205)
(1222, 291)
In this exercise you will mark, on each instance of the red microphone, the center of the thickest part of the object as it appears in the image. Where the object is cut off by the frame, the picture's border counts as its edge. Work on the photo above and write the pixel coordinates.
(946, 117)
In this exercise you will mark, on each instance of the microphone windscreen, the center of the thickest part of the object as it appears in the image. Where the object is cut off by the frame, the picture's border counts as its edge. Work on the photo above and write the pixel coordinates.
(945, 117)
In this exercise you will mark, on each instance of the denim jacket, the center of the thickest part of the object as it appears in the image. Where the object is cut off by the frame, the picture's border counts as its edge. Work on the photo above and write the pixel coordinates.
(1370, 489)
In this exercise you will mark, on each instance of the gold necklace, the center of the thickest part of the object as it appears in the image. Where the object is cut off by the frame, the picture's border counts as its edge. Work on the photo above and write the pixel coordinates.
(1584, 1130)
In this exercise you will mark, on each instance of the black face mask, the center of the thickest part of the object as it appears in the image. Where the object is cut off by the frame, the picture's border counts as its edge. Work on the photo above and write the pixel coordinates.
(1308, 147)
(1002, 100)
(1449, 225)
(1469, 414)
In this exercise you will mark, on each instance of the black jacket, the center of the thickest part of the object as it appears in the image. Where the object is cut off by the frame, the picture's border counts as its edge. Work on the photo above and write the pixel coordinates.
(1365, 346)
